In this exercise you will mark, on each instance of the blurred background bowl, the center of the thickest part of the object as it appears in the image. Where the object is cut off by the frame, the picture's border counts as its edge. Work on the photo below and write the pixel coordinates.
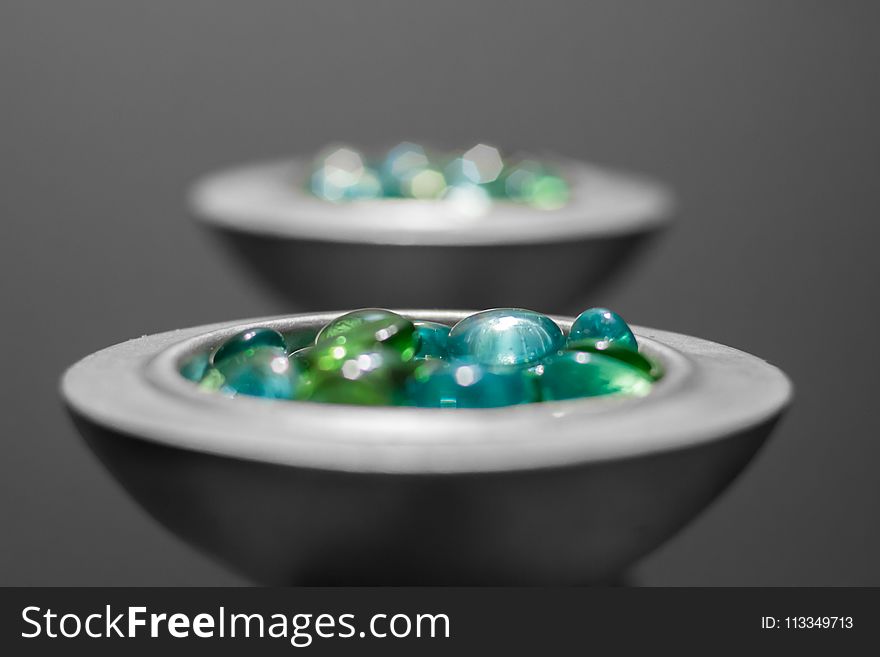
(303, 493)
(400, 252)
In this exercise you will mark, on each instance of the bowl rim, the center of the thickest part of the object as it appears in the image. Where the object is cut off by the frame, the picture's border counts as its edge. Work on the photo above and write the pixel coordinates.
(269, 199)
(708, 392)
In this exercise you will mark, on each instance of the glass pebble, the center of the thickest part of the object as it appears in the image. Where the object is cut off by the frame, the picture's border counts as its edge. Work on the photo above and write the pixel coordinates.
(341, 175)
(438, 384)
(402, 161)
(425, 184)
(346, 374)
(263, 371)
(549, 192)
(433, 340)
(248, 339)
(626, 355)
(362, 329)
(505, 336)
(601, 324)
(574, 374)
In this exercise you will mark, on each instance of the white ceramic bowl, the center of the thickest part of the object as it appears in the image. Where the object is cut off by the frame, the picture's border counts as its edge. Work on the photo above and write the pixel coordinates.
(297, 492)
(399, 252)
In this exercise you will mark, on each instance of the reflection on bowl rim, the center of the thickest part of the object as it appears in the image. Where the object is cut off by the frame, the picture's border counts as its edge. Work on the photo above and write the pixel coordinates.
(270, 199)
(708, 392)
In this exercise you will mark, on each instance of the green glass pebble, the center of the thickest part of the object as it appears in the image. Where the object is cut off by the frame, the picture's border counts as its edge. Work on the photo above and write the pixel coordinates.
(433, 340)
(346, 374)
(574, 374)
(549, 193)
(424, 184)
(532, 183)
(194, 368)
(304, 373)
(601, 324)
(626, 355)
(351, 360)
(246, 340)
(519, 180)
(505, 336)
(362, 329)
(212, 381)
(345, 391)
(462, 384)
(263, 371)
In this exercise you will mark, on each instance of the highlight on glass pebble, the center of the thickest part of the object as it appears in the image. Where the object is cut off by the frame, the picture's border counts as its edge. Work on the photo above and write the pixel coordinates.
(479, 175)
(375, 357)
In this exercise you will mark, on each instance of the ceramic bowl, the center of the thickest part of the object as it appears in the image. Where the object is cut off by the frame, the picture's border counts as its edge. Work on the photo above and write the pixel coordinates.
(565, 492)
(399, 252)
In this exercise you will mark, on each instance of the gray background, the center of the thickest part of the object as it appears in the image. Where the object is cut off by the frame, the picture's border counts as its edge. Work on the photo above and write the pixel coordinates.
(762, 115)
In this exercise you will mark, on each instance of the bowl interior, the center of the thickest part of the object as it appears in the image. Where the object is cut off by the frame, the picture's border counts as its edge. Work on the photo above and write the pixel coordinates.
(708, 391)
(300, 331)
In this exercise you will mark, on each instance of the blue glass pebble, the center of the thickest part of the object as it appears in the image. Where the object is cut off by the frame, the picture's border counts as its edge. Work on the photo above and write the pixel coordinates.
(260, 372)
(401, 162)
(504, 337)
(601, 324)
(433, 340)
(248, 339)
(461, 384)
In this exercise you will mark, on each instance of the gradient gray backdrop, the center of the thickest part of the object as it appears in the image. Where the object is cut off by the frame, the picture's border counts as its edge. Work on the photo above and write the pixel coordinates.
(763, 116)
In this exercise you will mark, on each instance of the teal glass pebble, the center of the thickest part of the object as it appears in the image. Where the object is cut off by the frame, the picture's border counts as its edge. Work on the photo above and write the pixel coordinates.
(519, 180)
(574, 374)
(401, 162)
(433, 340)
(463, 384)
(505, 337)
(263, 371)
(457, 173)
(624, 354)
(370, 326)
(340, 175)
(601, 324)
(366, 186)
(248, 339)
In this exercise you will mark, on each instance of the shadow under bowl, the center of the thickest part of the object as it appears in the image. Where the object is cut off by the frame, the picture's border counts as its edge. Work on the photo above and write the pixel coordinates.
(567, 492)
(399, 252)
